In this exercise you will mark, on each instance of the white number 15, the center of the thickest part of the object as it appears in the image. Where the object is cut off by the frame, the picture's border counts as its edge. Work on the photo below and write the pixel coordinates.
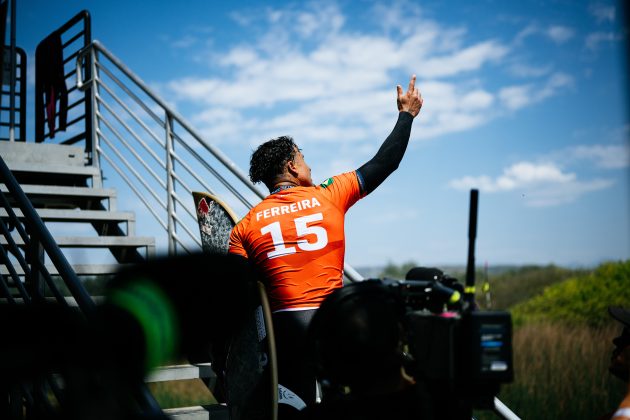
(302, 229)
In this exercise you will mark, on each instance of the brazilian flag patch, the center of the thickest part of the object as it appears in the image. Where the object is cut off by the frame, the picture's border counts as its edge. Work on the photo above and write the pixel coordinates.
(326, 183)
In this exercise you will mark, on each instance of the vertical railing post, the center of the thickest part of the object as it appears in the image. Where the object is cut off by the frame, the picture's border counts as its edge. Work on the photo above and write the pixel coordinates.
(12, 62)
(91, 73)
(92, 120)
(23, 87)
(91, 107)
(170, 202)
(90, 101)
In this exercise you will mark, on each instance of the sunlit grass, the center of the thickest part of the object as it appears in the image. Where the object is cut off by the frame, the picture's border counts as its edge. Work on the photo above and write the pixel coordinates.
(186, 393)
(561, 372)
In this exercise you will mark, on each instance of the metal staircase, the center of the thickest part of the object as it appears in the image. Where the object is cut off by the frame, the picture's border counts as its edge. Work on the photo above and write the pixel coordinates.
(65, 191)
(61, 181)
(122, 144)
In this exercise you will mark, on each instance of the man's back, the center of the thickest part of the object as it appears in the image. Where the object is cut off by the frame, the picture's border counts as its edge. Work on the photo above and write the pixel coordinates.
(295, 237)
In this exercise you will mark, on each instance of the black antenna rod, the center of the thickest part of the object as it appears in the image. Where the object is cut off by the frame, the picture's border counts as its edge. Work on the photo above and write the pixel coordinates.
(469, 291)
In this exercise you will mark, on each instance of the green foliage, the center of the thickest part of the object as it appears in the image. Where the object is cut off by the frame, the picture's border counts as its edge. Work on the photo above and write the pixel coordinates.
(580, 300)
(519, 284)
(509, 285)
(394, 271)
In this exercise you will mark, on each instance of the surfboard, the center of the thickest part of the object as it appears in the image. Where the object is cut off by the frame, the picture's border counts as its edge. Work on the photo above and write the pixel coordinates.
(216, 221)
(250, 375)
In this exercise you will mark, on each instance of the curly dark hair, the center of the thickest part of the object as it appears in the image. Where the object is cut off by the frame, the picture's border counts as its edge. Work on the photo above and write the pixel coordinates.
(269, 159)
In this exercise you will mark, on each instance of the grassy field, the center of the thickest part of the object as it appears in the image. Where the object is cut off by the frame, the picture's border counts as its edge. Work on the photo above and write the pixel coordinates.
(561, 372)
(562, 343)
(181, 393)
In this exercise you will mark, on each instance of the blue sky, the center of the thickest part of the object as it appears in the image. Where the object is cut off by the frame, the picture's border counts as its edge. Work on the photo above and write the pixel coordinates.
(523, 100)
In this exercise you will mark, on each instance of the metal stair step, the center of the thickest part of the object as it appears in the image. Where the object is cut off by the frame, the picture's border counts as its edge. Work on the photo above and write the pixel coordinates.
(65, 197)
(79, 269)
(52, 168)
(54, 174)
(199, 412)
(182, 372)
(28, 152)
(69, 300)
(95, 242)
(75, 215)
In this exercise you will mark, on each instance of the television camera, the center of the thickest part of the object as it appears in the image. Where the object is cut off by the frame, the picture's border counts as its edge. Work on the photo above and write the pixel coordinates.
(457, 355)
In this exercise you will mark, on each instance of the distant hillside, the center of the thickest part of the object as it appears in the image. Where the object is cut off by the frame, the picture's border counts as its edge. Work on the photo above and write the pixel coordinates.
(509, 284)
(519, 284)
(582, 299)
(458, 271)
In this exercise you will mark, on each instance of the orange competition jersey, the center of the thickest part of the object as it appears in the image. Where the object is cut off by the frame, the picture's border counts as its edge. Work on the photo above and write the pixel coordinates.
(296, 239)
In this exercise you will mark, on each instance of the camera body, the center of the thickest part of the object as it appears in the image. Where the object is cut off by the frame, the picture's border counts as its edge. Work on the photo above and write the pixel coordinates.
(469, 354)
(459, 355)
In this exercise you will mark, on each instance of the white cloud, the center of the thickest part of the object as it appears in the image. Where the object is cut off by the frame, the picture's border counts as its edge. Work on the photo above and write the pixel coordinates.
(519, 175)
(554, 195)
(242, 19)
(218, 123)
(476, 99)
(527, 173)
(308, 73)
(516, 97)
(539, 184)
(526, 32)
(324, 19)
(471, 58)
(525, 70)
(603, 13)
(398, 16)
(604, 156)
(241, 56)
(593, 40)
(559, 34)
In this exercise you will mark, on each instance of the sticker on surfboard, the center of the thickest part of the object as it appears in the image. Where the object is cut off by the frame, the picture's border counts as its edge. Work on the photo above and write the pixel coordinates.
(216, 221)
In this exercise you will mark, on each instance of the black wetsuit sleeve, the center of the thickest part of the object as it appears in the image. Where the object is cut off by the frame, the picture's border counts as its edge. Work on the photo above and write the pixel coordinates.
(388, 157)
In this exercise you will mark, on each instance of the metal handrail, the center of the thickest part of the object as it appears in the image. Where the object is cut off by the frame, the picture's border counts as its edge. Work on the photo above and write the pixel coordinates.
(156, 155)
(97, 46)
(95, 53)
(34, 231)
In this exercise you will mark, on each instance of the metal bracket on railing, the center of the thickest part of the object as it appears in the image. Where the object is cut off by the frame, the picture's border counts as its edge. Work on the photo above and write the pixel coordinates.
(83, 85)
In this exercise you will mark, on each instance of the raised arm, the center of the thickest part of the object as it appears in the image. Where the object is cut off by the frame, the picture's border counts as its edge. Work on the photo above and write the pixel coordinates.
(391, 152)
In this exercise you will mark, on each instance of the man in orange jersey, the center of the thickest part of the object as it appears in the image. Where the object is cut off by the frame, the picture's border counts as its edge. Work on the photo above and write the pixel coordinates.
(295, 238)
